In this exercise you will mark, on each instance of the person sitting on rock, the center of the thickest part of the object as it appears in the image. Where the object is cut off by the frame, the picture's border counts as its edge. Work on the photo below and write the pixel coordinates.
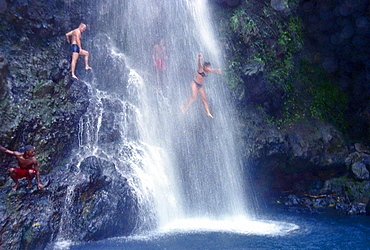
(28, 167)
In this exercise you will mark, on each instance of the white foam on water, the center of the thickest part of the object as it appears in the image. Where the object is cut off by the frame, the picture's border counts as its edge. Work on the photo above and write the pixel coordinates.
(239, 225)
(62, 245)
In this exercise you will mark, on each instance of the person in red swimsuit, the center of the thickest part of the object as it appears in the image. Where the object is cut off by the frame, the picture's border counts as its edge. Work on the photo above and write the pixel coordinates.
(159, 57)
(28, 167)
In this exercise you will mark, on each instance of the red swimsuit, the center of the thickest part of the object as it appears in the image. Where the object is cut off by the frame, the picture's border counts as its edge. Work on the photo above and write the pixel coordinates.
(23, 172)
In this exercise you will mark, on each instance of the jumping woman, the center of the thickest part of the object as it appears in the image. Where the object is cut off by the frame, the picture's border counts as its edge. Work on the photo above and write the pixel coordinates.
(197, 85)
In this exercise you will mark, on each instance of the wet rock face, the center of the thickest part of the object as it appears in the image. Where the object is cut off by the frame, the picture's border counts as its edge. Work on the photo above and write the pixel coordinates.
(229, 3)
(41, 105)
(360, 171)
(3, 72)
(31, 218)
(3, 6)
(343, 186)
(359, 161)
(98, 212)
(338, 33)
(297, 158)
(345, 195)
(300, 146)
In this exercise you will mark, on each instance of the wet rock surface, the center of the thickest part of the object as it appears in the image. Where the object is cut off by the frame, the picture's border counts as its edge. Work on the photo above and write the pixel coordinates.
(308, 166)
(345, 189)
(41, 105)
(32, 218)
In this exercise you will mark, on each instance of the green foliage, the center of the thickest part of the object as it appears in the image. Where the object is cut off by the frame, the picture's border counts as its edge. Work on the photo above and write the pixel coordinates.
(312, 94)
(329, 101)
(269, 39)
(276, 40)
(237, 29)
(39, 85)
(243, 24)
(269, 118)
(281, 59)
(233, 79)
(3, 27)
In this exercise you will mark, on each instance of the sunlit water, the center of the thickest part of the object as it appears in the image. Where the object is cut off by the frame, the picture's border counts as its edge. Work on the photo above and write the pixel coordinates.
(204, 166)
(282, 230)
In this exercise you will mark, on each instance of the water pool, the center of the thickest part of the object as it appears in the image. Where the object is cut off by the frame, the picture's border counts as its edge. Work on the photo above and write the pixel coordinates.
(281, 230)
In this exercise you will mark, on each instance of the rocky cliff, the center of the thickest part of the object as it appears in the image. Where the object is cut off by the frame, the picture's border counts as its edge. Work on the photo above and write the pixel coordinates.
(298, 71)
(42, 106)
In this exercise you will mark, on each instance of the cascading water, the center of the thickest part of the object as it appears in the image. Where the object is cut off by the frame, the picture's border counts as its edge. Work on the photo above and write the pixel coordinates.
(185, 169)
(205, 161)
(114, 129)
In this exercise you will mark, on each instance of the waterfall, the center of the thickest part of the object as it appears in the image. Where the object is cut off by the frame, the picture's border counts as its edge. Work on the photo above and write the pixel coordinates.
(181, 167)
(203, 158)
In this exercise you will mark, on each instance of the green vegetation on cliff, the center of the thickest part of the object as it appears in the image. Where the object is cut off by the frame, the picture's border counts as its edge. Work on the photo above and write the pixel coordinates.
(261, 41)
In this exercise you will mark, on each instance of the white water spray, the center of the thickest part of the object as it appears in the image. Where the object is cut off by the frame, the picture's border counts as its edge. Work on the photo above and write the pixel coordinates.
(185, 169)
(203, 162)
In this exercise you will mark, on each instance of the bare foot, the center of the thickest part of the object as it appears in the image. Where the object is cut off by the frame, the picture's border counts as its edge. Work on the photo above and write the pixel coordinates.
(88, 67)
(15, 187)
(29, 186)
(209, 114)
(75, 77)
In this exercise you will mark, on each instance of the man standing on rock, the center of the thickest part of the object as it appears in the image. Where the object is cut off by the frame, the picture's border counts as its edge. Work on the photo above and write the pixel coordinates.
(28, 167)
(76, 48)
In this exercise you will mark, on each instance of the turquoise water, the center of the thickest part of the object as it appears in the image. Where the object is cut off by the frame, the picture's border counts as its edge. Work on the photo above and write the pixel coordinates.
(297, 231)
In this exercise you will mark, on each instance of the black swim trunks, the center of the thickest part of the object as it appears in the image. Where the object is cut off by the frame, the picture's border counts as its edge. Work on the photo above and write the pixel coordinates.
(75, 48)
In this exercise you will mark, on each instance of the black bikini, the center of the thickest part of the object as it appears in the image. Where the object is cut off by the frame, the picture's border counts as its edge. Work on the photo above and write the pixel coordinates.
(202, 74)
(198, 84)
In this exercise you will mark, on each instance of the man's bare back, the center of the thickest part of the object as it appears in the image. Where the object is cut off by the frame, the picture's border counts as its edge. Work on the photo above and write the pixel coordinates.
(76, 36)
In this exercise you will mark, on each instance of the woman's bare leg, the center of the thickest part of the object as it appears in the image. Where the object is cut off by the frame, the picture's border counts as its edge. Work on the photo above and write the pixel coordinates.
(205, 103)
(192, 98)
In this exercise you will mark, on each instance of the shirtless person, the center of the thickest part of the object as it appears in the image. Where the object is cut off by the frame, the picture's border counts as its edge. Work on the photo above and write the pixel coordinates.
(197, 85)
(159, 57)
(76, 48)
(28, 167)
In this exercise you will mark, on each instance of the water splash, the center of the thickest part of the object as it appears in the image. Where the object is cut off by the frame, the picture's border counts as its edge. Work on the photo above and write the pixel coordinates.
(237, 225)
